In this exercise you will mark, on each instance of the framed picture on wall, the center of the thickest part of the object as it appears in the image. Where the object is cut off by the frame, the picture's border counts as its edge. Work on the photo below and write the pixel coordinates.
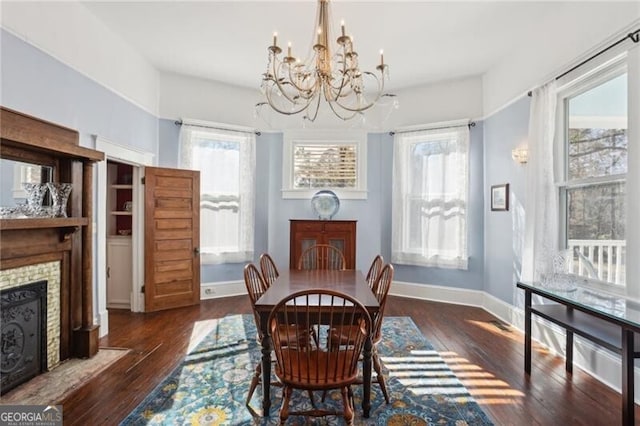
(500, 197)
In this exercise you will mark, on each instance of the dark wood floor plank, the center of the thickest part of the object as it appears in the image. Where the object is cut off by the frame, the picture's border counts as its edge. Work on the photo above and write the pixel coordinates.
(487, 356)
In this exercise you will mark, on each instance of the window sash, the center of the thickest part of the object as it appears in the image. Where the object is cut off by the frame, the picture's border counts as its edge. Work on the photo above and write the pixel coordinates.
(343, 171)
(325, 165)
(429, 213)
(602, 253)
(227, 210)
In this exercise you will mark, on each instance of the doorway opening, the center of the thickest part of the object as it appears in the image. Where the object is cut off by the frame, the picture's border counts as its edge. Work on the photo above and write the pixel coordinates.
(120, 222)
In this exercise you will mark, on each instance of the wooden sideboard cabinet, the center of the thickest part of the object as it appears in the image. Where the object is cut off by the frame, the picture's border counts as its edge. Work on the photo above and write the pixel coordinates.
(338, 233)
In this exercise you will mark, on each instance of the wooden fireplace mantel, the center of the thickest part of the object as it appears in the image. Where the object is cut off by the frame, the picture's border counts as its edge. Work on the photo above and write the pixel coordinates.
(70, 240)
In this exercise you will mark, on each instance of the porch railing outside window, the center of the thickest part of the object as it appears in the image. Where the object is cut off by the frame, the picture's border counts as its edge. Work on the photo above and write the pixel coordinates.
(604, 258)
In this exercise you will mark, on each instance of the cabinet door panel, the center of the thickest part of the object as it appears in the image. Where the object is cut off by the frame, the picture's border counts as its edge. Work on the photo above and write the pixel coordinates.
(340, 234)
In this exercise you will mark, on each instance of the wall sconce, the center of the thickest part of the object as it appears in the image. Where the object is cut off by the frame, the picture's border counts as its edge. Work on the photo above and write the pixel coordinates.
(520, 155)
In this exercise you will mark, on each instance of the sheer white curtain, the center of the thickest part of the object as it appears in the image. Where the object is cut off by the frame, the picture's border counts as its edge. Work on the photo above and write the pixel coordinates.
(541, 217)
(226, 161)
(430, 193)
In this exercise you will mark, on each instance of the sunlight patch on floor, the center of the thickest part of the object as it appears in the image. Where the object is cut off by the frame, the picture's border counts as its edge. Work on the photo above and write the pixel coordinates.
(429, 372)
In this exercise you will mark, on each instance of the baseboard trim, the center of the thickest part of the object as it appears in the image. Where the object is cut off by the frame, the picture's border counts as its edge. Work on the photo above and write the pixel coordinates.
(103, 321)
(220, 289)
(594, 360)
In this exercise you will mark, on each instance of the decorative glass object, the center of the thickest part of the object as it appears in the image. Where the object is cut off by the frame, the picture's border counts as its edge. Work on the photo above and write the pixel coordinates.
(559, 278)
(35, 193)
(59, 194)
(326, 204)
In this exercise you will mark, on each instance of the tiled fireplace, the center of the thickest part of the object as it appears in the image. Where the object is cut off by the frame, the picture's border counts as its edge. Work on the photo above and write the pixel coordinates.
(26, 288)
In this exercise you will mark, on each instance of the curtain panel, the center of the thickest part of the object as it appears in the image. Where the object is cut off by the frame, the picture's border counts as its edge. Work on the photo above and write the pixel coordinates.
(541, 221)
(226, 161)
(430, 195)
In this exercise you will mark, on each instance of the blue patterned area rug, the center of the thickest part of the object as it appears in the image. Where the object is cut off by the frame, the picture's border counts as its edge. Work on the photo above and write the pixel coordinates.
(210, 386)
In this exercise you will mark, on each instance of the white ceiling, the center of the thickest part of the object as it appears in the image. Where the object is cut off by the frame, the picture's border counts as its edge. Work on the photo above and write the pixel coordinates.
(423, 42)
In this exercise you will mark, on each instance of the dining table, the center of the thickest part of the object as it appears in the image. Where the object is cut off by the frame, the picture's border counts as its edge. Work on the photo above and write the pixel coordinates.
(350, 282)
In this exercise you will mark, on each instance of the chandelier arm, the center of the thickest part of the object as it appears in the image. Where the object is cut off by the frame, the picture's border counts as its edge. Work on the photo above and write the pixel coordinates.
(345, 78)
(339, 113)
(315, 113)
(273, 105)
(300, 88)
(276, 80)
(370, 104)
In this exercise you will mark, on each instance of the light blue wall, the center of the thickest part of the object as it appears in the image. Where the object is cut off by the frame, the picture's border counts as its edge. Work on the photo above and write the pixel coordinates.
(504, 231)
(473, 277)
(37, 84)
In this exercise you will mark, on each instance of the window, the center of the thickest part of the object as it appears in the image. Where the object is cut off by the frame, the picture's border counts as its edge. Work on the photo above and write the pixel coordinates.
(593, 190)
(226, 161)
(324, 160)
(430, 192)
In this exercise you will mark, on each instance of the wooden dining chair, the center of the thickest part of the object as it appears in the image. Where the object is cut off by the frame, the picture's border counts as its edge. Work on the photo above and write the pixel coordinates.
(268, 268)
(338, 337)
(256, 286)
(321, 256)
(374, 270)
(313, 368)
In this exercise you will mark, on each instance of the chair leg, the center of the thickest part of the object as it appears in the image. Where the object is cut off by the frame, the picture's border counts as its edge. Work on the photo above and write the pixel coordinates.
(348, 408)
(254, 382)
(377, 365)
(284, 408)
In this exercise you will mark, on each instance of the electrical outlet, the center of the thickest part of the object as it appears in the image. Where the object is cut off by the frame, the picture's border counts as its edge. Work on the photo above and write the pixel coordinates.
(209, 291)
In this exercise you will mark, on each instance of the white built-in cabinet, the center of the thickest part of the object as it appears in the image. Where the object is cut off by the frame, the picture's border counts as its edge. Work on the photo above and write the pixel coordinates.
(119, 264)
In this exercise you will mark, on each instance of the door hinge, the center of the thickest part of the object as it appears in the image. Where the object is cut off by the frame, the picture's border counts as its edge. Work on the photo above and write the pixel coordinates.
(142, 289)
(142, 180)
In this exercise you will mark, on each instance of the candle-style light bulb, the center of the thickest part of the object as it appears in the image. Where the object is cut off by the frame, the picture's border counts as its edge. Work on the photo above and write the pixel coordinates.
(342, 25)
(381, 57)
(289, 49)
(275, 38)
(319, 35)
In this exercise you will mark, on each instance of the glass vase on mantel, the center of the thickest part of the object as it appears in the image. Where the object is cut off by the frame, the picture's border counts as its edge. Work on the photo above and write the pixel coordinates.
(59, 195)
(35, 196)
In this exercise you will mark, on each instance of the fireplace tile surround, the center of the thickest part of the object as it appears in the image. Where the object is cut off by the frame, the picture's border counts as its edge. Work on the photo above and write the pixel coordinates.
(50, 272)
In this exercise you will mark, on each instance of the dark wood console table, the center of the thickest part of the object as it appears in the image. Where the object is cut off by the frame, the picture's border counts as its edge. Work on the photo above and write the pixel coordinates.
(607, 320)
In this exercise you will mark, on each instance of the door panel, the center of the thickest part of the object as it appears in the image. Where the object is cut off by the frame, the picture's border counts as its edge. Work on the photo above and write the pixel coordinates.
(172, 237)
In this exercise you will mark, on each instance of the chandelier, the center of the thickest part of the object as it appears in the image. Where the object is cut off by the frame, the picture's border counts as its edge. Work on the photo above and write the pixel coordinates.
(292, 86)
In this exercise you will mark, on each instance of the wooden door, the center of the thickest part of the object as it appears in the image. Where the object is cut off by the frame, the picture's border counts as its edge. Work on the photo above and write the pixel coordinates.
(172, 238)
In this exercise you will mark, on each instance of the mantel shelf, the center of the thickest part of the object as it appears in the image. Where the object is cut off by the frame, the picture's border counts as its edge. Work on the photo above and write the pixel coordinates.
(37, 223)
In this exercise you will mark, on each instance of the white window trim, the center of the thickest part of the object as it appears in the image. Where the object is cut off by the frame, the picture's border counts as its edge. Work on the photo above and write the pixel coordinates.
(324, 136)
(599, 73)
(402, 254)
(245, 252)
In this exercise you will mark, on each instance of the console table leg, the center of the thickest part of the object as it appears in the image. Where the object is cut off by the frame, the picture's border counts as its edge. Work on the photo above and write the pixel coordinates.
(628, 406)
(569, 353)
(527, 332)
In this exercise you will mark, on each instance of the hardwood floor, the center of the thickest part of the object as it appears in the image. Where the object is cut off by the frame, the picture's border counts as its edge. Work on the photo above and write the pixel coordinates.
(486, 356)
